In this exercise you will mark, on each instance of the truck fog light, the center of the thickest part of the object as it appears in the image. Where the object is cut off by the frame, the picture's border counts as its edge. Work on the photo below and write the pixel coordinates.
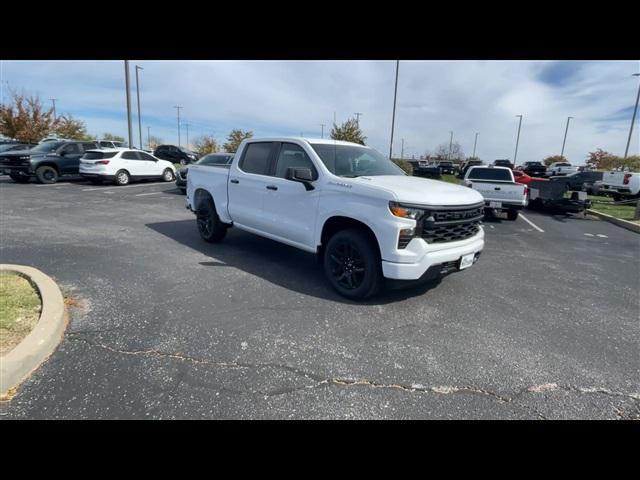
(407, 232)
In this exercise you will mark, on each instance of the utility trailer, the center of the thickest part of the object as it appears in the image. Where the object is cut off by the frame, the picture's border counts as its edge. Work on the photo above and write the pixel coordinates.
(550, 195)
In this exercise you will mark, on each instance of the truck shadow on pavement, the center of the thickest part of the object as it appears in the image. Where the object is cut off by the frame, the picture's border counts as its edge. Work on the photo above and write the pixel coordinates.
(277, 263)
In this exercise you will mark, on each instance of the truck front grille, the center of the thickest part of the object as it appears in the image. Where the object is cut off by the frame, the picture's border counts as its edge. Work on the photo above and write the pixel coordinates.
(451, 224)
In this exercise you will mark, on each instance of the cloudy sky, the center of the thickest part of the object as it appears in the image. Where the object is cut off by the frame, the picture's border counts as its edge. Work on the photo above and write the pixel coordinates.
(294, 97)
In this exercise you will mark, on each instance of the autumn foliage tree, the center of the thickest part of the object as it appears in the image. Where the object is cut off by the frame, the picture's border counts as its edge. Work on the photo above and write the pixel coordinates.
(349, 131)
(25, 119)
(66, 126)
(205, 144)
(235, 138)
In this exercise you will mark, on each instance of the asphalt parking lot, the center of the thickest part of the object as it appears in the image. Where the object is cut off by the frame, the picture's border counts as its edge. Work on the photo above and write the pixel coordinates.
(163, 325)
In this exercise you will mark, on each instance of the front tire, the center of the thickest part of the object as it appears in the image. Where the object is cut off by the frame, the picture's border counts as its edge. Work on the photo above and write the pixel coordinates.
(122, 177)
(352, 264)
(210, 227)
(47, 175)
(168, 175)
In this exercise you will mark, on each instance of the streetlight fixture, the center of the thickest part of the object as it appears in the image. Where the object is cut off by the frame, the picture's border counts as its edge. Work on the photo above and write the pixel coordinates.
(633, 119)
(474, 144)
(565, 136)
(515, 155)
(138, 94)
(126, 81)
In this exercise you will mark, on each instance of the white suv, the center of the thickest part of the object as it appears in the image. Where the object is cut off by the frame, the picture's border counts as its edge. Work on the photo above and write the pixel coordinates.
(124, 165)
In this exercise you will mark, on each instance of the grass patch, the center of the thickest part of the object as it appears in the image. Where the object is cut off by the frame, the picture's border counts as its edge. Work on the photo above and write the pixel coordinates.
(19, 310)
(606, 205)
(450, 179)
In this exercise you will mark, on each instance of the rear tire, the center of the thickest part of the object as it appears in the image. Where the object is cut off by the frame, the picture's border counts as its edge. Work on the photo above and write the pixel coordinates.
(352, 264)
(210, 227)
(512, 215)
(19, 179)
(168, 175)
(47, 175)
(122, 177)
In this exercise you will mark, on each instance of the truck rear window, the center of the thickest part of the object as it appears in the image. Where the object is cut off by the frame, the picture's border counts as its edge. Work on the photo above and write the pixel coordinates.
(98, 155)
(478, 173)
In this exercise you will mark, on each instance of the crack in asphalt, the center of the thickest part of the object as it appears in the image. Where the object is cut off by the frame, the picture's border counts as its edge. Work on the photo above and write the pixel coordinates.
(321, 381)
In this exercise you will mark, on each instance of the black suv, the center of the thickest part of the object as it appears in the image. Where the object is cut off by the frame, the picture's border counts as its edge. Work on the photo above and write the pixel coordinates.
(503, 163)
(534, 169)
(175, 154)
(47, 161)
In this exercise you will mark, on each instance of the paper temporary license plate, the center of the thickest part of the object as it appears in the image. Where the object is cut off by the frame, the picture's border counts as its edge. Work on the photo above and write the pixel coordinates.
(495, 204)
(466, 261)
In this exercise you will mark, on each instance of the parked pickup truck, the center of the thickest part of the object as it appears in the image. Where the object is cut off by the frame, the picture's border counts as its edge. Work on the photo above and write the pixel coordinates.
(560, 168)
(621, 185)
(361, 214)
(498, 187)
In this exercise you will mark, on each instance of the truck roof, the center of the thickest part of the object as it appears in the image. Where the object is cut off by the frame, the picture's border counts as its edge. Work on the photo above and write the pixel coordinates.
(327, 141)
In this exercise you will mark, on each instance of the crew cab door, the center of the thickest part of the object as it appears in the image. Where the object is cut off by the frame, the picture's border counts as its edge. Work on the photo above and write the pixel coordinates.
(247, 185)
(70, 158)
(290, 208)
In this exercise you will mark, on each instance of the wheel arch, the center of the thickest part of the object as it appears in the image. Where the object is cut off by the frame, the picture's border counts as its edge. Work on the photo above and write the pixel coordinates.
(336, 223)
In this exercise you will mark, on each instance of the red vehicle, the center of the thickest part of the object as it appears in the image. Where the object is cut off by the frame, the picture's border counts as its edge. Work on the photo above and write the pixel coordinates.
(523, 178)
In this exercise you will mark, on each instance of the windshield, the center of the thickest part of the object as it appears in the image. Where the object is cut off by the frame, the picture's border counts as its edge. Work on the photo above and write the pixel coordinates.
(354, 161)
(215, 160)
(480, 173)
(47, 147)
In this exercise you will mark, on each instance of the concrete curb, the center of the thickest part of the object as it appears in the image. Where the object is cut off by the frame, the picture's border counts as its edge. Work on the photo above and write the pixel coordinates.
(634, 227)
(36, 347)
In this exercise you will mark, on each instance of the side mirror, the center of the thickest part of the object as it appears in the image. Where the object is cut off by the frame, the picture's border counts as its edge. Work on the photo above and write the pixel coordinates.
(63, 153)
(302, 175)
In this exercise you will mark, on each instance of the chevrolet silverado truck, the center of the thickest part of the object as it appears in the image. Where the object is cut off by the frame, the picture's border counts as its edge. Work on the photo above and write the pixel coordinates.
(560, 168)
(364, 218)
(621, 185)
(499, 189)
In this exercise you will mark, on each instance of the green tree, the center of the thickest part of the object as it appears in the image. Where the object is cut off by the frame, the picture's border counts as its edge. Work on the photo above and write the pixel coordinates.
(66, 126)
(25, 119)
(349, 131)
(112, 137)
(205, 144)
(553, 159)
(235, 138)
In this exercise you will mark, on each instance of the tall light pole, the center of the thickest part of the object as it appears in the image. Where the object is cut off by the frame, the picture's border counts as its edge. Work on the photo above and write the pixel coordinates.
(322, 131)
(393, 118)
(450, 144)
(357, 114)
(474, 144)
(633, 119)
(138, 93)
(149, 137)
(53, 100)
(565, 136)
(178, 107)
(515, 155)
(187, 125)
(126, 81)
(402, 150)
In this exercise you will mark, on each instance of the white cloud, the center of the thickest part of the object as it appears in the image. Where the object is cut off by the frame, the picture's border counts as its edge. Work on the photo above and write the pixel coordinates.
(275, 97)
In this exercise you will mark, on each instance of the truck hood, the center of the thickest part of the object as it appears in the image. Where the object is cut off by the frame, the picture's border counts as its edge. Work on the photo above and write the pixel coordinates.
(422, 191)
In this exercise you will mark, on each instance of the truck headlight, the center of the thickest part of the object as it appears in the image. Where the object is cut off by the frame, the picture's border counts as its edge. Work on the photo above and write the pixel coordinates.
(405, 212)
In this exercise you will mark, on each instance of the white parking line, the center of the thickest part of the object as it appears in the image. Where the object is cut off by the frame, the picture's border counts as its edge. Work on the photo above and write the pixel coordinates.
(150, 193)
(530, 223)
(125, 186)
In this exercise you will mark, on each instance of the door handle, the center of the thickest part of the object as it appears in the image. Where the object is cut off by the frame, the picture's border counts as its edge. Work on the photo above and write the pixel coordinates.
(233, 180)
(272, 187)
(497, 188)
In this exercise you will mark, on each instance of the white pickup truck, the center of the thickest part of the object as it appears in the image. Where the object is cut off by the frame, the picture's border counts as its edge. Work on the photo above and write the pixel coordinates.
(560, 168)
(498, 187)
(361, 214)
(621, 185)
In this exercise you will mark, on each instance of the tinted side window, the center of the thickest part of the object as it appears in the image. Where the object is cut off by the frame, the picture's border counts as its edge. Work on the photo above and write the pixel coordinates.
(89, 146)
(146, 156)
(71, 148)
(292, 155)
(129, 155)
(256, 158)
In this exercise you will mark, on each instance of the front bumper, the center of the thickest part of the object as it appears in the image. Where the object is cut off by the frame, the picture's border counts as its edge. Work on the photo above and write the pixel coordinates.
(416, 271)
(180, 182)
(19, 170)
